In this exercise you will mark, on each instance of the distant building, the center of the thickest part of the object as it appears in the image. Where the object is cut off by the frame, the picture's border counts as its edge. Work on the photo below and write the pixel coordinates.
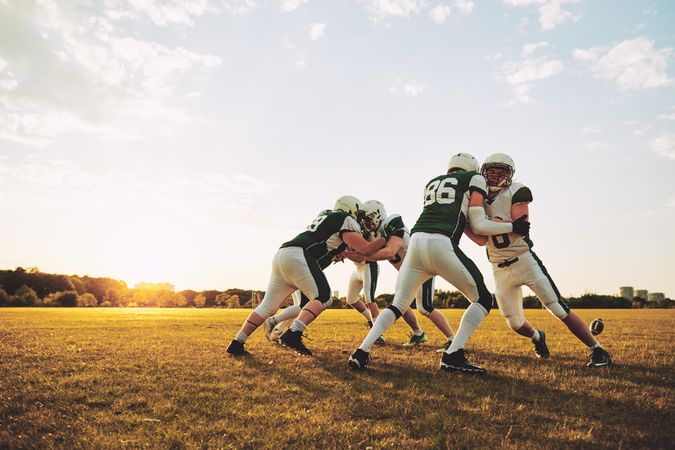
(642, 293)
(336, 294)
(656, 297)
(626, 292)
(155, 286)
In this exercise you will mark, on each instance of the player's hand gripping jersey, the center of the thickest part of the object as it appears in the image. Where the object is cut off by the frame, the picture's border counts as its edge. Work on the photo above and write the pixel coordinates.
(446, 202)
(503, 247)
(323, 237)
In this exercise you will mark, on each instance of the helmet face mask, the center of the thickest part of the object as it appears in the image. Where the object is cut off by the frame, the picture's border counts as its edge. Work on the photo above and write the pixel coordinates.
(498, 170)
(463, 161)
(373, 215)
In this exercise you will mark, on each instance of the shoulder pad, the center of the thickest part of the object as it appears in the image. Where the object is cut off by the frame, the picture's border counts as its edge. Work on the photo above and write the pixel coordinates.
(522, 194)
(478, 184)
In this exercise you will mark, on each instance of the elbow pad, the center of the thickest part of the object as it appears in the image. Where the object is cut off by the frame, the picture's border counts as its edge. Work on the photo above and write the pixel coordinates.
(481, 225)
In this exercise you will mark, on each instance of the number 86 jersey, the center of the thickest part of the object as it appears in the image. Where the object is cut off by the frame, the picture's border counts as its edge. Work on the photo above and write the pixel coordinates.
(507, 246)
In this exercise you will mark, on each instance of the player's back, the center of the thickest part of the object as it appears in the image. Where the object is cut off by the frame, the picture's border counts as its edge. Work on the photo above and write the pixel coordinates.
(446, 202)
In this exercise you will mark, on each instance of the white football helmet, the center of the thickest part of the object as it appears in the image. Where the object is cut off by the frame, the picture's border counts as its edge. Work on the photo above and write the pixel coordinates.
(503, 177)
(464, 161)
(349, 204)
(373, 215)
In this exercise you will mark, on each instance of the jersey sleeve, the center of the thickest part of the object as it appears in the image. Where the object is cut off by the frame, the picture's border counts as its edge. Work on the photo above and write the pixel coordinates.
(522, 195)
(478, 184)
(393, 226)
(350, 224)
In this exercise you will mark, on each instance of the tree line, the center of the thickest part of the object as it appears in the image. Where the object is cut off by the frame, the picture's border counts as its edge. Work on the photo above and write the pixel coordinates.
(31, 287)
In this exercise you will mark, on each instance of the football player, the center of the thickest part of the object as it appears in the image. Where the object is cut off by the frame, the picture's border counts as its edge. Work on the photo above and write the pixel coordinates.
(295, 266)
(434, 250)
(397, 238)
(514, 264)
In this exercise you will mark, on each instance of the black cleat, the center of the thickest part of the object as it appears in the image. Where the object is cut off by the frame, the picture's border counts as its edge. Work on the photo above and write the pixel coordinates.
(359, 360)
(293, 339)
(236, 348)
(457, 362)
(540, 347)
(599, 358)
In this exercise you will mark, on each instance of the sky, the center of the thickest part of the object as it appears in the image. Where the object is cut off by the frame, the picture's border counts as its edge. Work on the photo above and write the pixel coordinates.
(184, 141)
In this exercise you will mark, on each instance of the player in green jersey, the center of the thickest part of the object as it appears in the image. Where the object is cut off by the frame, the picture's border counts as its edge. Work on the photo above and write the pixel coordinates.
(296, 266)
(434, 250)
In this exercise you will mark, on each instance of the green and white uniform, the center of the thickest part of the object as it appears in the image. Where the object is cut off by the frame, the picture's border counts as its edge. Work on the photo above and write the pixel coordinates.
(514, 264)
(435, 237)
(299, 262)
(363, 278)
(393, 226)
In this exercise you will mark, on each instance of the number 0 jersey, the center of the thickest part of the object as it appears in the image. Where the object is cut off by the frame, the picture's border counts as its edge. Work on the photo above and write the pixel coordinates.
(323, 237)
(507, 246)
(446, 202)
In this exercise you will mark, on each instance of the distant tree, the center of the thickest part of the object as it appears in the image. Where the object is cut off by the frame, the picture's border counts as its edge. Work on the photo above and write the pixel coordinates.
(4, 298)
(24, 296)
(639, 302)
(68, 298)
(139, 298)
(221, 299)
(78, 284)
(86, 300)
(199, 300)
(178, 300)
(232, 301)
(189, 295)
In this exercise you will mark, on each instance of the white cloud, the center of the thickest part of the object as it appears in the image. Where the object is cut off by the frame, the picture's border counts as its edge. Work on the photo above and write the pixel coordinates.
(591, 130)
(521, 75)
(411, 88)
(632, 64)
(671, 202)
(664, 145)
(522, 25)
(381, 9)
(596, 145)
(291, 5)
(301, 63)
(161, 12)
(464, 7)
(528, 49)
(531, 70)
(108, 82)
(551, 12)
(317, 31)
(440, 13)
(666, 116)
(239, 7)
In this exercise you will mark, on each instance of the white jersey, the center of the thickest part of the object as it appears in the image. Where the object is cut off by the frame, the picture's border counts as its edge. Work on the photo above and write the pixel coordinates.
(392, 226)
(509, 245)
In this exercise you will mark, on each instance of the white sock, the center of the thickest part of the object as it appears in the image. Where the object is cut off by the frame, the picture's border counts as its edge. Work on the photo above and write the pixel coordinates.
(536, 336)
(383, 322)
(595, 346)
(298, 326)
(471, 319)
(288, 313)
(241, 336)
(418, 332)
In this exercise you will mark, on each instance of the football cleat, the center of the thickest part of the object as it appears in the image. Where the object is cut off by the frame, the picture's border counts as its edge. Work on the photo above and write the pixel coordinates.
(236, 348)
(268, 327)
(416, 340)
(599, 358)
(457, 362)
(540, 347)
(359, 360)
(380, 341)
(293, 339)
(443, 348)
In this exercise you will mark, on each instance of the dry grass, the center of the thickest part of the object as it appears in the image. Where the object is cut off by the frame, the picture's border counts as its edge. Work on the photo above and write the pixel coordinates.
(158, 378)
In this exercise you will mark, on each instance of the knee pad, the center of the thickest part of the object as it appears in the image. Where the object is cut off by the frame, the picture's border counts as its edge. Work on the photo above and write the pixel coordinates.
(514, 321)
(557, 310)
(264, 310)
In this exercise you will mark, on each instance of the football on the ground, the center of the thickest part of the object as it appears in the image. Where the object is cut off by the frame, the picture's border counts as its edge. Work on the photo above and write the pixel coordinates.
(597, 326)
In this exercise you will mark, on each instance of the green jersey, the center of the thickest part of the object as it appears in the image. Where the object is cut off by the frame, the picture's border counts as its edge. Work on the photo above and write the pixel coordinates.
(323, 237)
(446, 202)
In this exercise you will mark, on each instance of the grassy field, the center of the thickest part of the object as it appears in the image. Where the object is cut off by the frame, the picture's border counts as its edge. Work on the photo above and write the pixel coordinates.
(158, 378)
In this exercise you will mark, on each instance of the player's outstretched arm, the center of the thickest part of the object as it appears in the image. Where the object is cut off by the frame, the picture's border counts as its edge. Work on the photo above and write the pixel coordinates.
(388, 251)
(479, 223)
(355, 241)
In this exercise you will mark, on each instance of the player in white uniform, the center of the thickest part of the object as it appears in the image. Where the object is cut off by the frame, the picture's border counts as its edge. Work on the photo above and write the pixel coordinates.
(397, 238)
(296, 266)
(514, 264)
(434, 250)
